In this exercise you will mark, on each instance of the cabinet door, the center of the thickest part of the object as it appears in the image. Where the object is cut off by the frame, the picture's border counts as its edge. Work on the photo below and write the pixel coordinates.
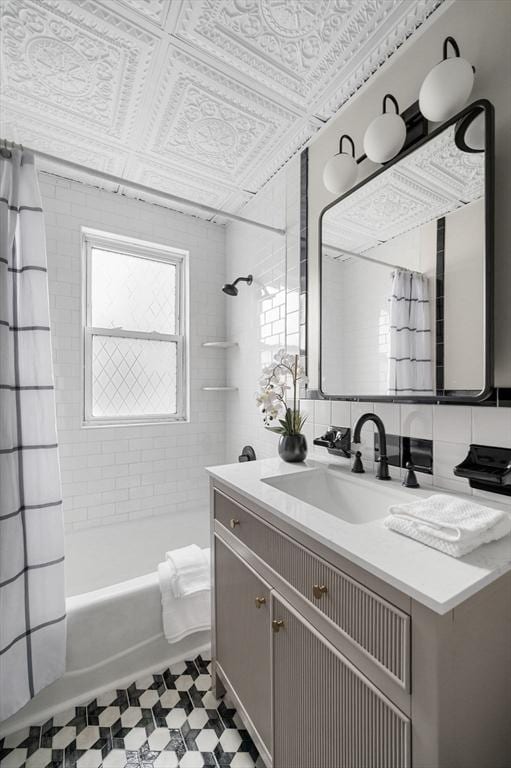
(243, 636)
(326, 713)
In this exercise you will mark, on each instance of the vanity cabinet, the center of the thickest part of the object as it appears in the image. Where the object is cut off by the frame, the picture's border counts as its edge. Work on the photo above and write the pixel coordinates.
(331, 667)
(243, 635)
(325, 712)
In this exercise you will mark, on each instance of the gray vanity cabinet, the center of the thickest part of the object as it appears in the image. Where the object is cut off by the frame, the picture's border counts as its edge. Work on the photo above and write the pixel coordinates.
(243, 635)
(331, 667)
(326, 713)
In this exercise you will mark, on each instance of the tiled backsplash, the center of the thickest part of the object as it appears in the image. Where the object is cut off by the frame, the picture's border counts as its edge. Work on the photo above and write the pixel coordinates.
(452, 428)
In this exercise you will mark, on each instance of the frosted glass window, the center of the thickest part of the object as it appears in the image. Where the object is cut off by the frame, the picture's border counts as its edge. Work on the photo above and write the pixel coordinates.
(133, 377)
(133, 332)
(133, 293)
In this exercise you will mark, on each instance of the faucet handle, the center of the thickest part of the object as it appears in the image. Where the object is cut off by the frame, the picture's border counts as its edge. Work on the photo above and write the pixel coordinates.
(410, 479)
(358, 467)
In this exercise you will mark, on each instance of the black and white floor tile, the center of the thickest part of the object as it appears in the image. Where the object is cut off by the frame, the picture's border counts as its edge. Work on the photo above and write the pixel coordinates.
(162, 721)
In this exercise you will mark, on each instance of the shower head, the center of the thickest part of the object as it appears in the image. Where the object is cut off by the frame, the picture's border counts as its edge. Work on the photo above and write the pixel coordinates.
(230, 288)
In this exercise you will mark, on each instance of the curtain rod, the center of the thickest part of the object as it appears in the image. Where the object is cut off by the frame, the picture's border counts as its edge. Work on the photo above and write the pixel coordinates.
(344, 252)
(141, 187)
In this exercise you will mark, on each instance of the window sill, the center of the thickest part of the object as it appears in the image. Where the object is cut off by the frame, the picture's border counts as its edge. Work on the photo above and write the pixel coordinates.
(134, 423)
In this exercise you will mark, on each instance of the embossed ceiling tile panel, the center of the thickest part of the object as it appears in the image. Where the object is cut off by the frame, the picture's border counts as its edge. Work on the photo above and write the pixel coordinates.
(39, 133)
(336, 233)
(348, 69)
(178, 182)
(392, 204)
(152, 10)
(298, 47)
(271, 162)
(76, 59)
(209, 123)
(440, 164)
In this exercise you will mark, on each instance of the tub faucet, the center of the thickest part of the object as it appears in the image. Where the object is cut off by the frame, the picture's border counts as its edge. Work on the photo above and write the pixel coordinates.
(382, 472)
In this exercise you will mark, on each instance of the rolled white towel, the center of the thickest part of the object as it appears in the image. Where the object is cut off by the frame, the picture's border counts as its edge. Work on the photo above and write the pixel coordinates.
(451, 525)
(190, 570)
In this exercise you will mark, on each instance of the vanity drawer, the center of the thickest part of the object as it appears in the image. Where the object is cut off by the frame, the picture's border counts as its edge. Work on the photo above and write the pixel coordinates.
(377, 627)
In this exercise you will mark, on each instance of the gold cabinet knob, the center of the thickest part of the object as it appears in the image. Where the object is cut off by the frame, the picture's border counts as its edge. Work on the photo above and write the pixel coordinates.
(233, 523)
(259, 601)
(318, 590)
(277, 624)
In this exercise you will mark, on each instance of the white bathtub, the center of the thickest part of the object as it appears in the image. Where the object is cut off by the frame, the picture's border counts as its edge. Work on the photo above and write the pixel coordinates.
(114, 624)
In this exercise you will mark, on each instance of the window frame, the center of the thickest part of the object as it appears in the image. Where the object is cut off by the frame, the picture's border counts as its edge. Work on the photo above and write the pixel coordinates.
(130, 246)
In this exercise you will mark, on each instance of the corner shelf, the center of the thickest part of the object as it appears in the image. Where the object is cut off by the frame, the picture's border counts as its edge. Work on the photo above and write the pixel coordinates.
(219, 389)
(220, 344)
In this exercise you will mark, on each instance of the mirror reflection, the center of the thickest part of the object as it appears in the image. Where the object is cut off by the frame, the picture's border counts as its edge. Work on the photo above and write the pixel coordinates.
(402, 274)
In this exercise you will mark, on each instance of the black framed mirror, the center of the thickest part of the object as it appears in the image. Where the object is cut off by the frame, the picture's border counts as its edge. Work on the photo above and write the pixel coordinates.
(405, 273)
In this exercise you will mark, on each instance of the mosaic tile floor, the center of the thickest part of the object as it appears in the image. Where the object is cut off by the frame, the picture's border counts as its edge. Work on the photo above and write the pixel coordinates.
(161, 721)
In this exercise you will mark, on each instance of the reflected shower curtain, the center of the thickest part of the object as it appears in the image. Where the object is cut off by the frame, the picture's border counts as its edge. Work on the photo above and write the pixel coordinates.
(32, 602)
(409, 369)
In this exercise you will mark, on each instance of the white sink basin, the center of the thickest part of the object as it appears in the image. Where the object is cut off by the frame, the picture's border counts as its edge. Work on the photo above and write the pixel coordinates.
(347, 497)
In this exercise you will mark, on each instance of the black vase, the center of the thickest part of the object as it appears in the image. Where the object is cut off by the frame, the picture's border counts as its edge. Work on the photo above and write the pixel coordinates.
(293, 448)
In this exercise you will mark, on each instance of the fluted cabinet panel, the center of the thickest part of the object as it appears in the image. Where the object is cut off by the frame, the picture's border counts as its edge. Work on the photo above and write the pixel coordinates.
(326, 713)
(243, 643)
(376, 626)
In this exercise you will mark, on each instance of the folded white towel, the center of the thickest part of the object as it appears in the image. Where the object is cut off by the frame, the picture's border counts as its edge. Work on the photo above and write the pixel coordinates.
(451, 525)
(184, 615)
(190, 570)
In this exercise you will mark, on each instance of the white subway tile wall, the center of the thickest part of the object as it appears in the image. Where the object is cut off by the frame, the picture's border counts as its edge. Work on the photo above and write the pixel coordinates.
(264, 316)
(454, 428)
(111, 474)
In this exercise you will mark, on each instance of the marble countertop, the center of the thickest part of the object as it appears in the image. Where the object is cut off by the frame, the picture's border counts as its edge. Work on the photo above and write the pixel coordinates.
(432, 578)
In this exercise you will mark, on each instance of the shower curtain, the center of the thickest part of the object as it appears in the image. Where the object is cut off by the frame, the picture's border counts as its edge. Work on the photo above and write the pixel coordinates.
(409, 368)
(32, 601)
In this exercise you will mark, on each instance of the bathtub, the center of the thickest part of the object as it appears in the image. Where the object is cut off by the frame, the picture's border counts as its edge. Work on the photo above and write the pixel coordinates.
(114, 624)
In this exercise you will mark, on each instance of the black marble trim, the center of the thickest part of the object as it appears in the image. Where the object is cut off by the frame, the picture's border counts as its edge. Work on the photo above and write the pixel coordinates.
(304, 234)
(440, 300)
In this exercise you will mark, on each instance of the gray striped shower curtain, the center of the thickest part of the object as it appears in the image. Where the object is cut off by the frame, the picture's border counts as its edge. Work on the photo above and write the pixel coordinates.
(32, 601)
(409, 365)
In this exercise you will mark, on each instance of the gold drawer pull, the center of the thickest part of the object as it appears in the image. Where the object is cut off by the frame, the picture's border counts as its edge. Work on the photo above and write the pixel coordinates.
(259, 601)
(233, 523)
(277, 624)
(318, 590)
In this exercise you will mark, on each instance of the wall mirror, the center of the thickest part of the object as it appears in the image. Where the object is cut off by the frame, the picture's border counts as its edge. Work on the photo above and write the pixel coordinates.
(405, 272)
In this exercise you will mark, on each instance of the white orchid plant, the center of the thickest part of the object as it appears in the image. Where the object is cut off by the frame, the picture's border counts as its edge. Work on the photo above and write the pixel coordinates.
(277, 380)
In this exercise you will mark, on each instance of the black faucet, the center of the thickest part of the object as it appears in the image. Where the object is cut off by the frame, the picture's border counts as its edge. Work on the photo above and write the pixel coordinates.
(382, 472)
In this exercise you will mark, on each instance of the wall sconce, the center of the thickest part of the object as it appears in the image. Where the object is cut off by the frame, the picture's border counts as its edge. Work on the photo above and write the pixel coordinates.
(447, 87)
(386, 134)
(341, 171)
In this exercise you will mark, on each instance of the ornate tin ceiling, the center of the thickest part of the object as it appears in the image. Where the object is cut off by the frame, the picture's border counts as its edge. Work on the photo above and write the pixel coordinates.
(202, 98)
